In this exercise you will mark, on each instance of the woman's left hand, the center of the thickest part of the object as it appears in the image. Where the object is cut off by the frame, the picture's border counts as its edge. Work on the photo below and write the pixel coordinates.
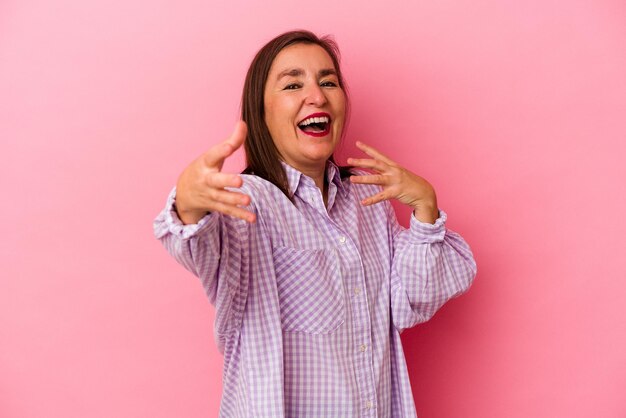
(397, 183)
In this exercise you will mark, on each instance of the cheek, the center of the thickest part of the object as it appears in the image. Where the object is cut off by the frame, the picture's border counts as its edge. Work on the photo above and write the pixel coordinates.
(340, 104)
(272, 119)
(280, 113)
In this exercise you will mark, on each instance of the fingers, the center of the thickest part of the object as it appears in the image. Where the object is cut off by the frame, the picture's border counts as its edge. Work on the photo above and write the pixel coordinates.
(202, 186)
(221, 180)
(379, 163)
(229, 203)
(374, 153)
(234, 211)
(215, 156)
(367, 163)
(379, 179)
(377, 198)
(226, 201)
(228, 197)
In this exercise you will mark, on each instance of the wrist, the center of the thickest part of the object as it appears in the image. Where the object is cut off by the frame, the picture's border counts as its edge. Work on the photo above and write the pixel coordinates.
(426, 211)
(188, 217)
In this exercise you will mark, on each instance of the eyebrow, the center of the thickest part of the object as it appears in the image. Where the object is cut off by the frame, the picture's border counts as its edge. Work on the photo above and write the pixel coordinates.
(298, 72)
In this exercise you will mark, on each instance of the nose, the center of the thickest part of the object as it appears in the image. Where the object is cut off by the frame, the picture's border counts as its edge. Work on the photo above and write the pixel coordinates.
(315, 95)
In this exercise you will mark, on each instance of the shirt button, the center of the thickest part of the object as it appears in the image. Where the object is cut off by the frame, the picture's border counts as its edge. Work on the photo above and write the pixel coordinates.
(357, 290)
(368, 404)
(363, 347)
(342, 239)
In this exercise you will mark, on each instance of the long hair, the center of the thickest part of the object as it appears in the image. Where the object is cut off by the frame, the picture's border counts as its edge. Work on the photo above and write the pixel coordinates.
(262, 156)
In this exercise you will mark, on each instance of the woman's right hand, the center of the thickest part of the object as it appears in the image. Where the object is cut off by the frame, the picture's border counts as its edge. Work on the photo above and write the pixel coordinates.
(200, 187)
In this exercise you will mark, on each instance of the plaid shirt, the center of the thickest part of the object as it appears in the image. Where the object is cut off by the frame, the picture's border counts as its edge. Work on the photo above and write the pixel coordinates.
(310, 300)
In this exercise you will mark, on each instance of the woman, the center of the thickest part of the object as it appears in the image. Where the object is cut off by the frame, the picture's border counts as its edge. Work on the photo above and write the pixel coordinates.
(312, 277)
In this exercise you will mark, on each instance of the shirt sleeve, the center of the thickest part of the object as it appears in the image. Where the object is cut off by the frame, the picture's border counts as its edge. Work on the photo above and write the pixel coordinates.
(216, 251)
(430, 265)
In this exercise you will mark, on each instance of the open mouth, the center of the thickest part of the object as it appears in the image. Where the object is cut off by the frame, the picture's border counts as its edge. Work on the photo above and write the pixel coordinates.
(317, 124)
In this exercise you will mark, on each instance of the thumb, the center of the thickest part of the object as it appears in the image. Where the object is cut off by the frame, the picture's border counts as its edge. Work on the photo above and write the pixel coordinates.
(215, 156)
(238, 136)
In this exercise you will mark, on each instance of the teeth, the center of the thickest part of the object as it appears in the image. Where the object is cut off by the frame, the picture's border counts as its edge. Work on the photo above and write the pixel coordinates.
(323, 119)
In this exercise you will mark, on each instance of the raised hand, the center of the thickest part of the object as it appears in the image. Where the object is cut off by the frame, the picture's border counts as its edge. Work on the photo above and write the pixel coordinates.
(200, 187)
(397, 183)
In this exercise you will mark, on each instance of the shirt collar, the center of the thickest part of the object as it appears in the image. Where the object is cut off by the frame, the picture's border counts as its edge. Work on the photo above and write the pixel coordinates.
(295, 177)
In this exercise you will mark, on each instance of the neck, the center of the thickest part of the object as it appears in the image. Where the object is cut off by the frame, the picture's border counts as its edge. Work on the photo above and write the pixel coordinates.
(317, 173)
(319, 177)
(320, 181)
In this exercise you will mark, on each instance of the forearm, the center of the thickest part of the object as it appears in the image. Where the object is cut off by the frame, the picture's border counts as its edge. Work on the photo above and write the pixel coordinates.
(182, 240)
(431, 265)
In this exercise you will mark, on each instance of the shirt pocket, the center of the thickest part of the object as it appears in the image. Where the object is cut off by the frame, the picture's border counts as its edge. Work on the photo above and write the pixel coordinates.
(310, 290)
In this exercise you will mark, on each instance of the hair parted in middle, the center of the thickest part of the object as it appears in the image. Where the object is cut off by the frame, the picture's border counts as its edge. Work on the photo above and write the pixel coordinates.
(262, 156)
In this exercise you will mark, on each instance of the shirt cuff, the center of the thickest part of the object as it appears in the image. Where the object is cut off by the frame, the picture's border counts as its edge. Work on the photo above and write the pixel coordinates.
(422, 232)
(176, 226)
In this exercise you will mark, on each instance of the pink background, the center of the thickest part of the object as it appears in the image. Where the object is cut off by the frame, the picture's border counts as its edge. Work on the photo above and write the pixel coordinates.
(514, 110)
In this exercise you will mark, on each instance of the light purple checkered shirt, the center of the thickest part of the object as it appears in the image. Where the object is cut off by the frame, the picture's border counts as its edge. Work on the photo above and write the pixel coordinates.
(310, 301)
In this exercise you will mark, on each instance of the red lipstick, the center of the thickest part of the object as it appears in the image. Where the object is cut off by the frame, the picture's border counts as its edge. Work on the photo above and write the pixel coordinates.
(326, 130)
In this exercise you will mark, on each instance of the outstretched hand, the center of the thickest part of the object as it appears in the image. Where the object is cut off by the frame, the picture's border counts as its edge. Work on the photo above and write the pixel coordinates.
(201, 186)
(397, 183)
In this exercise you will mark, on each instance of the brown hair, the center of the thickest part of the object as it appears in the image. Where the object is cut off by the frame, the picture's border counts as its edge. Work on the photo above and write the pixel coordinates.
(262, 157)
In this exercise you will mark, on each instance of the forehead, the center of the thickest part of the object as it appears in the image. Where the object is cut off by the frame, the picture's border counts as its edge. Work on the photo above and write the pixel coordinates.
(302, 56)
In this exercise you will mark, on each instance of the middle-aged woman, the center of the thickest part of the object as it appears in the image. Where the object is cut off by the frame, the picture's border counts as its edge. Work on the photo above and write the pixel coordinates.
(312, 277)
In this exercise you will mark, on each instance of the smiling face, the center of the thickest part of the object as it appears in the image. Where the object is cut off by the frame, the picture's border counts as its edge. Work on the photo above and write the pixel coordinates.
(304, 106)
